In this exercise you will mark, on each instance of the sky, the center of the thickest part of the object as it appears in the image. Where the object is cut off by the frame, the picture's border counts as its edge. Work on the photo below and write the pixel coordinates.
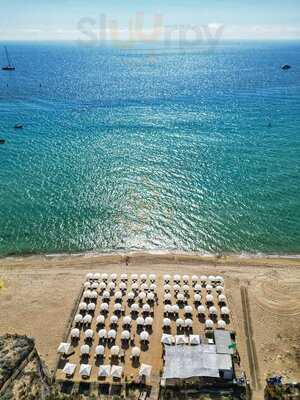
(151, 19)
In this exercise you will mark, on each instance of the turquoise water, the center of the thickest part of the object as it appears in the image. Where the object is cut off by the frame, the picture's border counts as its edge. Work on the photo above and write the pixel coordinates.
(150, 148)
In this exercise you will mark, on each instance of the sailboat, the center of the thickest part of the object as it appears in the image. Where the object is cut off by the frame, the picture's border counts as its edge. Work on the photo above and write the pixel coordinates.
(7, 67)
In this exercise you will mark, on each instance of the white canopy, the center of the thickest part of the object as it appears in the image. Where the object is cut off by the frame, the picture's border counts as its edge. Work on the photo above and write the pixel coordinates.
(118, 295)
(167, 278)
(91, 306)
(69, 369)
(88, 334)
(179, 322)
(127, 320)
(142, 295)
(100, 350)
(197, 297)
(104, 276)
(78, 318)
(112, 334)
(94, 294)
(176, 288)
(209, 298)
(102, 333)
(195, 278)
(145, 370)
(208, 288)
(125, 335)
(102, 285)
(224, 310)
(167, 339)
(176, 278)
(134, 307)
(144, 336)
(203, 278)
(175, 309)
(136, 351)
(82, 306)
(115, 350)
(140, 321)
(111, 286)
(134, 277)
(89, 275)
(194, 339)
(104, 370)
(188, 323)
(212, 278)
(167, 296)
(130, 296)
(87, 294)
(167, 288)
(186, 288)
(209, 324)
(152, 277)
(64, 348)
(222, 298)
(75, 333)
(116, 371)
(180, 339)
(188, 310)
(96, 276)
(104, 307)
(212, 310)
(123, 277)
(146, 308)
(106, 294)
(117, 307)
(201, 309)
(221, 324)
(113, 276)
(150, 296)
(144, 286)
(180, 297)
(100, 319)
(152, 287)
(185, 278)
(87, 284)
(95, 285)
(168, 309)
(197, 287)
(219, 279)
(85, 370)
(148, 321)
(114, 319)
(85, 349)
(134, 286)
(166, 322)
(143, 277)
(123, 286)
(87, 319)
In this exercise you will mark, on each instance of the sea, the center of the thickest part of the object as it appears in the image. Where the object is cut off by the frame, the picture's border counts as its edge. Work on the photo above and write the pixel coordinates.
(192, 147)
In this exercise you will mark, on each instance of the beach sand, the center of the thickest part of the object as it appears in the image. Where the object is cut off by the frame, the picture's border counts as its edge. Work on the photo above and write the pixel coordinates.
(38, 293)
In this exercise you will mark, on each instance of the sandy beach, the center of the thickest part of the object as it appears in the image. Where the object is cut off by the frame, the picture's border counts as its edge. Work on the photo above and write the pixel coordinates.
(37, 294)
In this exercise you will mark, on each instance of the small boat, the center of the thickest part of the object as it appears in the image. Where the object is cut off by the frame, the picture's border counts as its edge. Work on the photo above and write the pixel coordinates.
(18, 126)
(7, 67)
(286, 66)
(2, 141)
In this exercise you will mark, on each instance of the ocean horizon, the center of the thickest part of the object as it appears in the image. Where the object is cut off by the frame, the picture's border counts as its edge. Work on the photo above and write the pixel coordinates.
(150, 148)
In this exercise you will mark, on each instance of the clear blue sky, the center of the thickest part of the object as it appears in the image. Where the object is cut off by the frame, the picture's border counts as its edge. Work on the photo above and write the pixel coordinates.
(60, 19)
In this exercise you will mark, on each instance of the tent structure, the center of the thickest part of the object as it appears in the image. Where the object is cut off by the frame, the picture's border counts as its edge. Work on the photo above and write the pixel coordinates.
(87, 319)
(78, 318)
(99, 350)
(85, 349)
(134, 307)
(181, 339)
(176, 278)
(102, 333)
(144, 336)
(166, 322)
(134, 277)
(85, 370)
(148, 321)
(126, 320)
(144, 277)
(125, 335)
(69, 369)
(88, 334)
(167, 339)
(112, 334)
(135, 352)
(116, 371)
(104, 370)
(152, 277)
(91, 306)
(75, 333)
(64, 348)
(104, 307)
(115, 350)
(145, 370)
(100, 319)
(82, 306)
(194, 339)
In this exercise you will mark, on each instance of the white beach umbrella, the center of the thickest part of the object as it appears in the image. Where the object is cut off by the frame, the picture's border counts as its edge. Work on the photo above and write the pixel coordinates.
(87, 294)
(85, 370)
(115, 350)
(212, 278)
(82, 306)
(134, 277)
(87, 284)
(118, 295)
(194, 339)
(69, 369)
(124, 277)
(185, 278)
(195, 278)
(203, 278)
(144, 336)
(146, 308)
(104, 276)
(99, 350)
(180, 297)
(100, 319)
(209, 298)
(152, 277)
(201, 309)
(87, 319)
(116, 371)
(94, 294)
(102, 334)
(197, 297)
(75, 333)
(150, 296)
(209, 324)
(197, 287)
(78, 318)
(91, 306)
(95, 285)
(125, 335)
(88, 334)
(224, 310)
(112, 334)
(104, 371)
(219, 289)
(167, 287)
(97, 276)
(144, 277)
(122, 286)
(85, 349)
(167, 339)
(111, 286)
(221, 324)
(212, 310)
(140, 321)
(106, 294)
(117, 307)
(135, 286)
(135, 351)
(219, 279)
(167, 296)
(176, 288)
(148, 321)
(188, 323)
(166, 322)
(168, 309)
(63, 348)
(114, 320)
(180, 339)
(188, 310)
(176, 278)
(179, 322)
(89, 276)
(130, 296)
(186, 288)
(222, 298)
(153, 287)
(113, 277)
(142, 296)
(104, 307)
(208, 288)
(127, 320)
(144, 286)
(145, 370)
(134, 307)
(167, 278)
(175, 309)
(102, 285)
